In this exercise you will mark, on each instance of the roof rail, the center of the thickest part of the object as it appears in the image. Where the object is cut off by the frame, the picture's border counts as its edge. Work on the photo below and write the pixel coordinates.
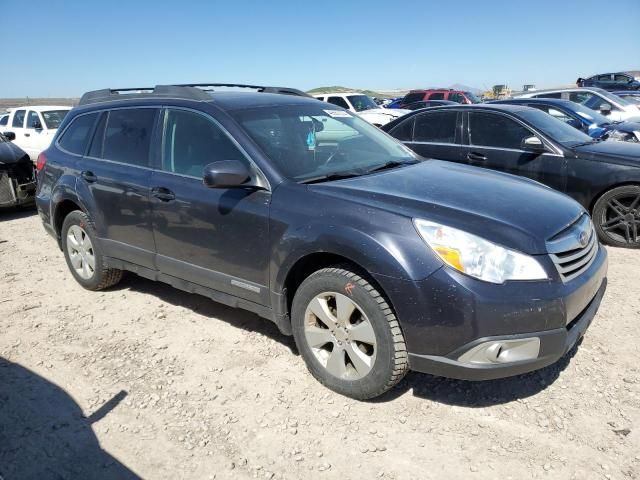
(189, 91)
(210, 87)
(166, 91)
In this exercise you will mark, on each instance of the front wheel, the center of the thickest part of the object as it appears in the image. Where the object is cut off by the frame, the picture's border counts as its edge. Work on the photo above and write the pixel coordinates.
(616, 216)
(347, 334)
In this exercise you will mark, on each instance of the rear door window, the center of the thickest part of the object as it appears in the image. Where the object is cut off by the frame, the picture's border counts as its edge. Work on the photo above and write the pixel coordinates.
(436, 127)
(456, 97)
(412, 97)
(494, 130)
(77, 135)
(436, 96)
(549, 95)
(404, 131)
(339, 101)
(127, 136)
(18, 119)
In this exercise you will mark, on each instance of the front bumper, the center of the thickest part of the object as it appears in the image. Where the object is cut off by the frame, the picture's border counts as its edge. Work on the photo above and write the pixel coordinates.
(554, 344)
(449, 314)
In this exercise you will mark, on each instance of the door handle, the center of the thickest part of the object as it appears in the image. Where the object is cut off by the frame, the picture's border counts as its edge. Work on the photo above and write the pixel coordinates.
(27, 134)
(476, 157)
(163, 194)
(89, 176)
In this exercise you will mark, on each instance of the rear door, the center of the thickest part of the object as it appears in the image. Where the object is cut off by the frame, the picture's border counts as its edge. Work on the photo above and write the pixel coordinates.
(215, 237)
(114, 180)
(495, 142)
(35, 136)
(437, 135)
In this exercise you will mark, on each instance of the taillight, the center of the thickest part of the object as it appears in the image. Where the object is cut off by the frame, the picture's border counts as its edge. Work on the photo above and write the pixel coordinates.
(42, 161)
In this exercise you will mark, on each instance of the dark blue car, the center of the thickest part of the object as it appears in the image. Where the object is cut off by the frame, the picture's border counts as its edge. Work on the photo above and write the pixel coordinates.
(583, 118)
(611, 81)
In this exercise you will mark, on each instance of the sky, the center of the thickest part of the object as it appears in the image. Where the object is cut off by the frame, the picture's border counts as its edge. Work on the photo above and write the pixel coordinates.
(64, 48)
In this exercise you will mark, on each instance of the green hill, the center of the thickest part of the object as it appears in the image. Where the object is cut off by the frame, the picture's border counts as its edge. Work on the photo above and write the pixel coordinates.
(338, 89)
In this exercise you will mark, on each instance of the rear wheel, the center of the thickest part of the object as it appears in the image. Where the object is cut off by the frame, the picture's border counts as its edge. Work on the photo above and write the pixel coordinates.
(616, 216)
(83, 255)
(347, 334)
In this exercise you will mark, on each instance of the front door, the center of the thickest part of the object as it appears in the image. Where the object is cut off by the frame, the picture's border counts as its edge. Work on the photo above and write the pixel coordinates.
(216, 238)
(35, 136)
(495, 141)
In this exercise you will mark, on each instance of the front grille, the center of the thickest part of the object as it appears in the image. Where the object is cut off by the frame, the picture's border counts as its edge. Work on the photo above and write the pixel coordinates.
(7, 193)
(574, 249)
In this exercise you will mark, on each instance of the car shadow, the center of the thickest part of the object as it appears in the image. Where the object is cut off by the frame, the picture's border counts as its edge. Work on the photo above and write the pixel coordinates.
(207, 307)
(16, 213)
(462, 393)
(438, 389)
(44, 434)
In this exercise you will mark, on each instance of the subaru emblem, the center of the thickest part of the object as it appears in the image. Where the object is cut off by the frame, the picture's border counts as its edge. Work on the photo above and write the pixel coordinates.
(583, 239)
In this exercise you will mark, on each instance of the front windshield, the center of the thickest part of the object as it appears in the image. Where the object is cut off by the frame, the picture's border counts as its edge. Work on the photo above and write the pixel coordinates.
(556, 129)
(309, 141)
(614, 98)
(53, 118)
(472, 97)
(362, 102)
(590, 115)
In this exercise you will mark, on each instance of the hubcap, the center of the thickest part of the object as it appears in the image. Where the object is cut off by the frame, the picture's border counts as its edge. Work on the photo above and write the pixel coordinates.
(620, 220)
(340, 335)
(80, 252)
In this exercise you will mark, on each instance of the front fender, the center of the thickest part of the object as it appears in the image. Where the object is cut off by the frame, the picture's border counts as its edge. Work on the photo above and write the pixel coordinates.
(392, 254)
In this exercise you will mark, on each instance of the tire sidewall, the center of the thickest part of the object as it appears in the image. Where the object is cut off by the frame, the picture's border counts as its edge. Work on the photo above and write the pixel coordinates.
(82, 220)
(383, 367)
(599, 211)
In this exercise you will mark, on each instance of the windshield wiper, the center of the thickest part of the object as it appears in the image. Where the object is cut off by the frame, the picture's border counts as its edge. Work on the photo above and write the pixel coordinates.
(391, 164)
(334, 176)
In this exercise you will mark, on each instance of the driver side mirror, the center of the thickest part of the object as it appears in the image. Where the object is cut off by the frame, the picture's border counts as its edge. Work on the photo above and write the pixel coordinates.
(605, 109)
(226, 174)
(11, 136)
(533, 144)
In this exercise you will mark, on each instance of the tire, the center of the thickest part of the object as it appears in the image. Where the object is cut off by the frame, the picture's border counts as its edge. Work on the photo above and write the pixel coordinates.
(97, 277)
(371, 338)
(616, 216)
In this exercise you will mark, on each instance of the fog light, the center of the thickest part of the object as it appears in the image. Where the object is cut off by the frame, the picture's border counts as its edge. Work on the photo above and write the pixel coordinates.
(502, 351)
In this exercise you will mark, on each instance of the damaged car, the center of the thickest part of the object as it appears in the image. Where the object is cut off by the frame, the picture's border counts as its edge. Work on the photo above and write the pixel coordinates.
(17, 179)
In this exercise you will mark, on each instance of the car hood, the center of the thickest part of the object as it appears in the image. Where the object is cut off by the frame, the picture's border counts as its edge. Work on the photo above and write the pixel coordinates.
(518, 213)
(11, 153)
(627, 153)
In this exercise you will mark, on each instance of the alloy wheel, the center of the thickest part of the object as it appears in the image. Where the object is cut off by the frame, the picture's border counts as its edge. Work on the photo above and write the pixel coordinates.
(80, 250)
(620, 220)
(340, 335)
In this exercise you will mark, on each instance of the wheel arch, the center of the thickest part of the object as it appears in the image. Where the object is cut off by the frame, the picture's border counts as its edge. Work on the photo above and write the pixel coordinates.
(598, 196)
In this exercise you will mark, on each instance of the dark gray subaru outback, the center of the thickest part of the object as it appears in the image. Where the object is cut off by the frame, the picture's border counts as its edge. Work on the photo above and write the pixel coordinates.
(376, 260)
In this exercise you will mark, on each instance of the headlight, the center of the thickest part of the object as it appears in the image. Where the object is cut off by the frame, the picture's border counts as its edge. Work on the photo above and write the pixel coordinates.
(620, 136)
(637, 134)
(478, 257)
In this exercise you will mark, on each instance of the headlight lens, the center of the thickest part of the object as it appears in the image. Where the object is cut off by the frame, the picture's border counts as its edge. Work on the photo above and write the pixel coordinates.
(637, 134)
(620, 136)
(478, 257)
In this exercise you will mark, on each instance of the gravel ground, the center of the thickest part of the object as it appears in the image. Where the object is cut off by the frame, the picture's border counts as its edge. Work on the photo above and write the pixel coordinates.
(147, 381)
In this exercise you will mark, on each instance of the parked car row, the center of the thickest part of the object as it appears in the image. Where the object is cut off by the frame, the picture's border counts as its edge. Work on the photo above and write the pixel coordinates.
(374, 258)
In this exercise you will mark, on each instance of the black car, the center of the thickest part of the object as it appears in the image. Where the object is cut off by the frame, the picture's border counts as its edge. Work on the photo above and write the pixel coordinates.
(427, 104)
(583, 118)
(610, 81)
(297, 210)
(604, 177)
(17, 179)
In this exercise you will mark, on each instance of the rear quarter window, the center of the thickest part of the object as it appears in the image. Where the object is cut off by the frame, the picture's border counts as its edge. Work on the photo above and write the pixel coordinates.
(77, 135)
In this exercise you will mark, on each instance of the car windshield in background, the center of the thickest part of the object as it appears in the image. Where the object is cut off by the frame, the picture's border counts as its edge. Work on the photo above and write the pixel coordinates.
(53, 118)
(590, 115)
(556, 129)
(614, 98)
(308, 142)
(472, 97)
(362, 102)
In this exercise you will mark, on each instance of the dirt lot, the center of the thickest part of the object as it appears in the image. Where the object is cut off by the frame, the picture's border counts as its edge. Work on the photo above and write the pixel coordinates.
(144, 380)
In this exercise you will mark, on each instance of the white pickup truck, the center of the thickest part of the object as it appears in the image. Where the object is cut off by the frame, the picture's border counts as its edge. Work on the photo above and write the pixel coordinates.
(32, 128)
(363, 106)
